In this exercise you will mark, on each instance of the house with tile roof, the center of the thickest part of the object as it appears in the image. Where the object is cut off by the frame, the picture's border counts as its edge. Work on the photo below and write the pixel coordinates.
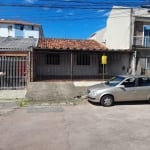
(75, 59)
(31, 57)
(15, 62)
(17, 38)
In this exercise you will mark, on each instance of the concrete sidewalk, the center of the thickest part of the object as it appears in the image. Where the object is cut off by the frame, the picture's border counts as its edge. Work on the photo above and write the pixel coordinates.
(12, 94)
(48, 91)
(8, 100)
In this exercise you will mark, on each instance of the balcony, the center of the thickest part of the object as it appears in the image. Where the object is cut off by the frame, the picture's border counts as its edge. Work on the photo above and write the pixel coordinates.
(141, 41)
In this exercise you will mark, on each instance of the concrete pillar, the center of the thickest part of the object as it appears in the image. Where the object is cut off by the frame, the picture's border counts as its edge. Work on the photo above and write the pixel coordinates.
(133, 63)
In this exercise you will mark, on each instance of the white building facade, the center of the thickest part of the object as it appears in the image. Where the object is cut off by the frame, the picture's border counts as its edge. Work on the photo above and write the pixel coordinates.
(129, 28)
(20, 29)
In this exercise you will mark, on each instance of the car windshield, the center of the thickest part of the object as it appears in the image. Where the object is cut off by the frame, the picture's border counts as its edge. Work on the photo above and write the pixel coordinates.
(114, 81)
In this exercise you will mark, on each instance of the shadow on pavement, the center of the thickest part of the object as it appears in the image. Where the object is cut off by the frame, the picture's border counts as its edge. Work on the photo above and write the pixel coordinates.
(124, 103)
(132, 103)
(94, 103)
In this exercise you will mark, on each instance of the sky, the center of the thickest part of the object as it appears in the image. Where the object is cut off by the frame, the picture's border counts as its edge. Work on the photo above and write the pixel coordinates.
(69, 19)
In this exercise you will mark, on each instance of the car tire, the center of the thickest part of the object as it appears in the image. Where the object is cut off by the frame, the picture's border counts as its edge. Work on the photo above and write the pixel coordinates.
(107, 100)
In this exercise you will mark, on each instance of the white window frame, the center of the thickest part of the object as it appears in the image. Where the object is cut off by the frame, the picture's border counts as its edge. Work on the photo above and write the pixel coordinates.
(143, 39)
(147, 66)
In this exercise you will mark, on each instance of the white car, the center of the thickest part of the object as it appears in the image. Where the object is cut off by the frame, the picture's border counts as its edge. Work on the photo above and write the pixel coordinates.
(120, 88)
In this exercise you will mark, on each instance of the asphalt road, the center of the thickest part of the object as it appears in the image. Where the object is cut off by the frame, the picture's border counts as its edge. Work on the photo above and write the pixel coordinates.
(82, 127)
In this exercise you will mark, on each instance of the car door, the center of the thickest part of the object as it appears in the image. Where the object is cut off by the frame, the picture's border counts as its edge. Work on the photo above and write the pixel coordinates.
(128, 91)
(143, 88)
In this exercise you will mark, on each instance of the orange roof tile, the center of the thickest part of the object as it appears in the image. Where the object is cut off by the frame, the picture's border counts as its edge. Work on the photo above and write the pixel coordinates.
(69, 44)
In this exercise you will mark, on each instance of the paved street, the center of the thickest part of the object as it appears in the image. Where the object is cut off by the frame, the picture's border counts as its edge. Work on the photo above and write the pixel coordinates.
(81, 127)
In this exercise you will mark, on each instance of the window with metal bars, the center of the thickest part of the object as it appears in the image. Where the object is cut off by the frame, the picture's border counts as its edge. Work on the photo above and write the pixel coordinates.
(53, 59)
(83, 59)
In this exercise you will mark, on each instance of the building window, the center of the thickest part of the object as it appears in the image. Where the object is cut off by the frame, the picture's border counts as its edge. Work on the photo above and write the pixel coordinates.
(19, 26)
(30, 27)
(9, 28)
(83, 59)
(148, 62)
(146, 36)
(52, 59)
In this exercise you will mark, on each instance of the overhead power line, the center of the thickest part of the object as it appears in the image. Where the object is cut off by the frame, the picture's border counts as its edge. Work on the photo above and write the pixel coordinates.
(88, 8)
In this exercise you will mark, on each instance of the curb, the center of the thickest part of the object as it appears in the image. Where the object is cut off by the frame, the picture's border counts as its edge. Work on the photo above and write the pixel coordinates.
(18, 103)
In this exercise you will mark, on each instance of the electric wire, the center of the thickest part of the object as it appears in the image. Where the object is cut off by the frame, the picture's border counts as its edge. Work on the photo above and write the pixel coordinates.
(59, 10)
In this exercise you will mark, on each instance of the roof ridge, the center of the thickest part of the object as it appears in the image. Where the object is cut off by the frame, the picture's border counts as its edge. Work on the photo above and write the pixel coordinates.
(80, 44)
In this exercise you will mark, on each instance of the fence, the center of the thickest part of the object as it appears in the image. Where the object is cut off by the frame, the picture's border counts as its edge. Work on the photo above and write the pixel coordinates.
(141, 41)
(13, 72)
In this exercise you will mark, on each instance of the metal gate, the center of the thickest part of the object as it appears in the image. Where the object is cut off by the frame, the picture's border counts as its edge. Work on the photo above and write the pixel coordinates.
(13, 72)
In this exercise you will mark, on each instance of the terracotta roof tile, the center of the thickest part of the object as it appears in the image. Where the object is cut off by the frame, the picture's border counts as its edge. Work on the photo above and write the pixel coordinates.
(69, 44)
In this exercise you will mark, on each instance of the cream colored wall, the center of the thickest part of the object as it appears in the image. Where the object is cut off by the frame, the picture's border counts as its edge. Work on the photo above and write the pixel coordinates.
(99, 36)
(118, 29)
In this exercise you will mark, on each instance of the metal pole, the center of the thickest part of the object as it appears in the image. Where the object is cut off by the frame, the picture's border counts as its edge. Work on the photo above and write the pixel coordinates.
(103, 71)
(29, 68)
(71, 66)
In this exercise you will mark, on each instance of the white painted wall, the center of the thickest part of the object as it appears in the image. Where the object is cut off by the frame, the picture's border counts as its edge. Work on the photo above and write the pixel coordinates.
(116, 35)
(118, 28)
(25, 33)
(142, 12)
(99, 36)
(34, 33)
(29, 33)
(4, 32)
(116, 66)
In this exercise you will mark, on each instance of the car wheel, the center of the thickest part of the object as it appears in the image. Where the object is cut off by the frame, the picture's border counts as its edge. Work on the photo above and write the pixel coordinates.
(107, 100)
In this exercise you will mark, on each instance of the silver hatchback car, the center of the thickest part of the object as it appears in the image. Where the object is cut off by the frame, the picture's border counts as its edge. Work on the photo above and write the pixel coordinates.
(120, 88)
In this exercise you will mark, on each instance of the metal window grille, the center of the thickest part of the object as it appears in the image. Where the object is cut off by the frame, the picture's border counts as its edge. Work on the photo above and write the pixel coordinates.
(52, 59)
(83, 59)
